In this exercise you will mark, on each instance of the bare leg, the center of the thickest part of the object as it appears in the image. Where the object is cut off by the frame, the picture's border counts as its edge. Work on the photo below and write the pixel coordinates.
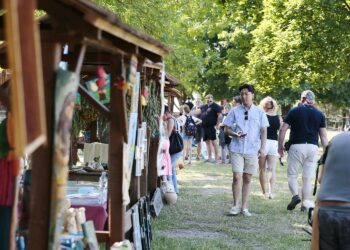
(216, 149)
(236, 187)
(271, 163)
(208, 144)
(199, 149)
(262, 173)
(246, 189)
(185, 148)
(190, 151)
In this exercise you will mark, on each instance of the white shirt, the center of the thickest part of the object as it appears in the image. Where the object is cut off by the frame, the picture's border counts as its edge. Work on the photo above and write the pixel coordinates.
(256, 120)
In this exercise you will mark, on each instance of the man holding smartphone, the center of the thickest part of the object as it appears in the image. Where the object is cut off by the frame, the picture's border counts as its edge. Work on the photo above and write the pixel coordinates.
(247, 125)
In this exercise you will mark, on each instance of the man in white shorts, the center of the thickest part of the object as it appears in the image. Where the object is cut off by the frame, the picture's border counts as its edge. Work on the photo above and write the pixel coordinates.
(306, 124)
(247, 125)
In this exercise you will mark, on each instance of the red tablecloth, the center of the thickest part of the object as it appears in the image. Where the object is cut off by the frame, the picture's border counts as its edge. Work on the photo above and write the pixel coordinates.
(96, 213)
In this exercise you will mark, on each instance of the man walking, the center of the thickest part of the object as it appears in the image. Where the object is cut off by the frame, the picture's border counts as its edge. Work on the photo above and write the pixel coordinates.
(247, 125)
(210, 112)
(306, 124)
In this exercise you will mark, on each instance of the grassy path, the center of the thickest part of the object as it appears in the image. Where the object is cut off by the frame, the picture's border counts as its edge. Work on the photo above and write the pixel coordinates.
(199, 219)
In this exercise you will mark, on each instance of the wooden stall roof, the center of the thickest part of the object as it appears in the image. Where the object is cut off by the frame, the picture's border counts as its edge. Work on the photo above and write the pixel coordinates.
(172, 80)
(172, 92)
(98, 26)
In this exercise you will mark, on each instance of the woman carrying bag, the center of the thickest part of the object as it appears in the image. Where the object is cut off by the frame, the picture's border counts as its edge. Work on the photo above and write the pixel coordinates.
(176, 144)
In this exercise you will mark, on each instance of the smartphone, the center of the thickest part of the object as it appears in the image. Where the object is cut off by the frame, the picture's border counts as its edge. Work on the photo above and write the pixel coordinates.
(243, 135)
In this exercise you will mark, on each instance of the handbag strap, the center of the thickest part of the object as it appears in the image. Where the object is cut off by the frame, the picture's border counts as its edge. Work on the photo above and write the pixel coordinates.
(176, 125)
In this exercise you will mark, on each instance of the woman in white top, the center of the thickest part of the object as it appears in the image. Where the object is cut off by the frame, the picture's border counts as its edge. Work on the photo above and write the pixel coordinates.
(188, 124)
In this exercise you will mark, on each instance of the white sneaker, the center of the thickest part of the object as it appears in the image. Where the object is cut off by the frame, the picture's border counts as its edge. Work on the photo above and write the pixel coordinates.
(246, 212)
(234, 210)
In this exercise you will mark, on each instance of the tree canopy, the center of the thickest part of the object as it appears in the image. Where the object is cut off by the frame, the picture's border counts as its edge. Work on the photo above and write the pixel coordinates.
(280, 46)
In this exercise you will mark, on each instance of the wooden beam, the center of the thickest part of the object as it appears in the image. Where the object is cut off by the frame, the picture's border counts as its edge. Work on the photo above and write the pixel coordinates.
(67, 17)
(116, 218)
(95, 103)
(106, 26)
(77, 58)
(42, 158)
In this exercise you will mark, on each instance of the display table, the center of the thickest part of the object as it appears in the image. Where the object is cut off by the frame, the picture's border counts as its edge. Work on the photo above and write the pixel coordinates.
(97, 213)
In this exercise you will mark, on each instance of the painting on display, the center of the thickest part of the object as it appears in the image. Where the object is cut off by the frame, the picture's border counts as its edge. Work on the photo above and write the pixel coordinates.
(131, 138)
(126, 175)
(65, 94)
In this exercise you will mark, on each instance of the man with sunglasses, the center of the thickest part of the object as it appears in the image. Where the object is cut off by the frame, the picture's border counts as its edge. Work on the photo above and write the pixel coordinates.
(247, 125)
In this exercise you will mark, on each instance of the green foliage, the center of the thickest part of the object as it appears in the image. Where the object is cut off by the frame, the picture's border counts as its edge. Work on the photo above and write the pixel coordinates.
(280, 46)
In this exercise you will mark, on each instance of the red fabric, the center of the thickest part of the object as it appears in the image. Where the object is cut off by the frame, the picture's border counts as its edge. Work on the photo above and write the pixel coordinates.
(7, 173)
(96, 213)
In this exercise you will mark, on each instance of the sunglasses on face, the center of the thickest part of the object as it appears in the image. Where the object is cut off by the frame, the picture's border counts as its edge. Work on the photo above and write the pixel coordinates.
(246, 115)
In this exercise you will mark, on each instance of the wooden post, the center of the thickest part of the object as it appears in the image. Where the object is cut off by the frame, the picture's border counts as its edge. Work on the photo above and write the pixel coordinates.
(152, 165)
(42, 158)
(116, 218)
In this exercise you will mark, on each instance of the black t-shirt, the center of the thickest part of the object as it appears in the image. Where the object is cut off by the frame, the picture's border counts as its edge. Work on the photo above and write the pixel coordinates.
(209, 114)
(305, 122)
(275, 124)
(189, 104)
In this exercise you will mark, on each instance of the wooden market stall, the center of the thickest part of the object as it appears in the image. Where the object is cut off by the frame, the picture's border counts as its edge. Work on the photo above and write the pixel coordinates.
(171, 90)
(85, 36)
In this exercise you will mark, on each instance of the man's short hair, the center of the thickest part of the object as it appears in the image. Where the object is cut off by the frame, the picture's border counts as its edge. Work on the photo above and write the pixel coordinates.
(247, 86)
(209, 96)
(308, 96)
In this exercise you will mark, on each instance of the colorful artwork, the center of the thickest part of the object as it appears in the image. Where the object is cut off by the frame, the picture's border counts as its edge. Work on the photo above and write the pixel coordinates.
(65, 91)
(100, 87)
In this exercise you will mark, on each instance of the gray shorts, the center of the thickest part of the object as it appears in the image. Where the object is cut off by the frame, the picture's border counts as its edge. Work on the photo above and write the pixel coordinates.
(245, 163)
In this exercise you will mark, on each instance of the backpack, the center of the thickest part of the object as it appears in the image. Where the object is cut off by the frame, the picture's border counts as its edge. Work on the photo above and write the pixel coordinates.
(190, 126)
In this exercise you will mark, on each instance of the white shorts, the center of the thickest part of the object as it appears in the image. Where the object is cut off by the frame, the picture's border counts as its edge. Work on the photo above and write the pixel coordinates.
(272, 147)
(302, 156)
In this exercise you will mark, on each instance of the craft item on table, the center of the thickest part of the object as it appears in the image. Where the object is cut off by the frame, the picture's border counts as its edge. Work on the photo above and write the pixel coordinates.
(93, 167)
(70, 223)
(122, 245)
(93, 150)
(90, 235)
(80, 218)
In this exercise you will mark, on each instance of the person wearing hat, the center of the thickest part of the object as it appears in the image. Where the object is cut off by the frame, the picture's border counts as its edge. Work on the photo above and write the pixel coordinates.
(247, 125)
(306, 124)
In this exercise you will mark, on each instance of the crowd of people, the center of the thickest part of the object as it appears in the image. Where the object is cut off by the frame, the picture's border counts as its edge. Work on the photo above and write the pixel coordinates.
(252, 138)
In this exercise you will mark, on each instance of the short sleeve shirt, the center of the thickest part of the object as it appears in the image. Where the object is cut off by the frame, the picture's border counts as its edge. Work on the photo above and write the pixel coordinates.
(305, 122)
(256, 120)
(209, 114)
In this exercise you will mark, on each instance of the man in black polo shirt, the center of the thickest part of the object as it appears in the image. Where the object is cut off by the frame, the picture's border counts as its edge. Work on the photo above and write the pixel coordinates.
(210, 113)
(306, 124)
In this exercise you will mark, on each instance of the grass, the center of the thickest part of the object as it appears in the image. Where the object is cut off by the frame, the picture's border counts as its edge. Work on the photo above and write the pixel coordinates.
(199, 219)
